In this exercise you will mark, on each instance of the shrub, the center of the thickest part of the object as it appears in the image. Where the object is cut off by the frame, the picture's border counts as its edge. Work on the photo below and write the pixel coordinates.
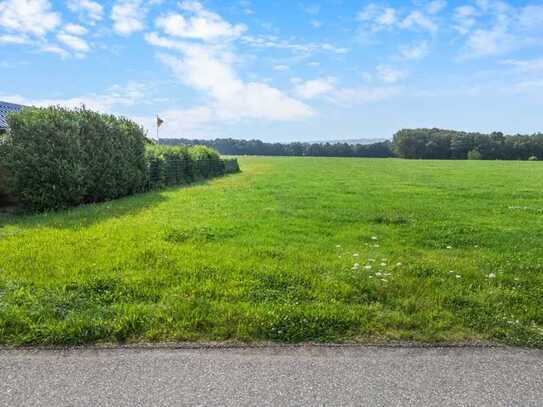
(206, 162)
(474, 155)
(231, 166)
(180, 165)
(168, 166)
(533, 158)
(58, 158)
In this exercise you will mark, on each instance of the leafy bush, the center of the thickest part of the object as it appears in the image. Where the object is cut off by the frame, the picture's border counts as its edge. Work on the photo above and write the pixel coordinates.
(58, 158)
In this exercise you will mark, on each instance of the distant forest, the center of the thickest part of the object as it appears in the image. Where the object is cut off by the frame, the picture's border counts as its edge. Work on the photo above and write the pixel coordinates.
(407, 143)
(257, 147)
(459, 145)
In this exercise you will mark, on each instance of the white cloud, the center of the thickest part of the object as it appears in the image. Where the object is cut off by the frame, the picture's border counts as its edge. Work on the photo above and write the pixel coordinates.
(281, 68)
(495, 41)
(13, 39)
(436, 6)
(54, 49)
(73, 42)
(128, 16)
(414, 51)
(314, 88)
(316, 23)
(202, 25)
(465, 18)
(31, 17)
(387, 18)
(211, 71)
(116, 96)
(531, 16)
(75, 29)
(90, 11)
(273, 42)
(189, 123)
(534, 66)
(208, 66)
(416, 19)
(494, 27)
(377, 18)
(390, 75)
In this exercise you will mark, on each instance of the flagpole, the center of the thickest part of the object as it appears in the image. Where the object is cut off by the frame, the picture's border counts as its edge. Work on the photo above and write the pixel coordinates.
(157, 126)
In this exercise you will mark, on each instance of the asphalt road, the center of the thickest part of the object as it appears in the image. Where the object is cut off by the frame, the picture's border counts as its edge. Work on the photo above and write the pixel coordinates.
(307, 376)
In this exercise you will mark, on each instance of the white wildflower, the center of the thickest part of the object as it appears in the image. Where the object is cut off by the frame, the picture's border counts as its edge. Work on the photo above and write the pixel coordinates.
(492, 275)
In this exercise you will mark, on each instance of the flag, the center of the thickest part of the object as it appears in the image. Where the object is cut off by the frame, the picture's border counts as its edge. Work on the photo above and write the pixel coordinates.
(159, 121)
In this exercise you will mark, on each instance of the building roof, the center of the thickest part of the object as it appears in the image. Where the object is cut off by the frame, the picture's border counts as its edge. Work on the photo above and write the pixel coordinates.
(6, 108)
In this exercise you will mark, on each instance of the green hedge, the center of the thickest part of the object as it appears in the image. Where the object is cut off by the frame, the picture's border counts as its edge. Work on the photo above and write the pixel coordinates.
(57, 158)
(5, 198)
(182, 165)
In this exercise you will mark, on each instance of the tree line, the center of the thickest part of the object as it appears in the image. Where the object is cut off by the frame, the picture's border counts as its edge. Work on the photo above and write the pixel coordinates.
(408, 143)
(459, 145)
(256, 147)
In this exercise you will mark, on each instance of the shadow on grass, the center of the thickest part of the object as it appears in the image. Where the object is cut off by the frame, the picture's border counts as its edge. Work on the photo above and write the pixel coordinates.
(91, 214)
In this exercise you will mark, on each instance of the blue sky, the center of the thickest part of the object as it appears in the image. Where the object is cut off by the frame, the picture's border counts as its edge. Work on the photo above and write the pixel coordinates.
(281, 70)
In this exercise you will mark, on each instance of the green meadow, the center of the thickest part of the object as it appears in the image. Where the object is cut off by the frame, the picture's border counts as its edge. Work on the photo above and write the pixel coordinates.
(289, 250)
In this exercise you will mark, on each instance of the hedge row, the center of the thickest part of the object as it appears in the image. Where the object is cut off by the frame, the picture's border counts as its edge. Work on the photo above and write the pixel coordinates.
(183, 165)
(55, 158)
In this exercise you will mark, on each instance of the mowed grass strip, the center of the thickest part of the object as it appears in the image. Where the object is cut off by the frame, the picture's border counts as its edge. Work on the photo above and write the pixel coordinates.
(290, 250)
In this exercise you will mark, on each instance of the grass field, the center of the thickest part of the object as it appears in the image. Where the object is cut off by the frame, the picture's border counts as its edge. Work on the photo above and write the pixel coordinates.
(292, 249)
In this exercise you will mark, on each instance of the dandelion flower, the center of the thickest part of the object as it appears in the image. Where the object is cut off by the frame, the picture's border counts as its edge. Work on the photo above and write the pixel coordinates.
(492, 275)
(383, 264)
(356, 254)
(449, 247)
(356, 266)
(398, 264)
(374, 238)
(367, 267)
(458, 276)
(338, 246)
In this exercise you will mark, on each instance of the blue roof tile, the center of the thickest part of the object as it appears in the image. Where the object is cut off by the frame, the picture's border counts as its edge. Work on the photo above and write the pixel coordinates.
(6, 108)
